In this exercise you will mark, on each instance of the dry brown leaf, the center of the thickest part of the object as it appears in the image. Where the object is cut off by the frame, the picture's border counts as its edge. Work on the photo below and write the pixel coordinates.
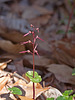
(7, 96)
(14, 36)
(42, 20)
(2, 99)
(10, 56)
(41, 2)
(17, 8)
(34, 11)
(67, 47)
(29, 88)
(15, 24)
(3, 81)
(52, 93)
(3, 73)
(19, 67)
(3, 65)
(62, 57)
(5, 60)
(64, 53)
(62, 72)
(10, 47)
(38, 60)
(24, 98)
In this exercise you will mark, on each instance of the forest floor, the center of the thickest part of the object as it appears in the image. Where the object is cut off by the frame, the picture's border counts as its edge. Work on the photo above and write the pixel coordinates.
(57, 51)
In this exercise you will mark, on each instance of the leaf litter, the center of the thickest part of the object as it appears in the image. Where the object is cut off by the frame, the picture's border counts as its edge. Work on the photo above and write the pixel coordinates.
(57, 57)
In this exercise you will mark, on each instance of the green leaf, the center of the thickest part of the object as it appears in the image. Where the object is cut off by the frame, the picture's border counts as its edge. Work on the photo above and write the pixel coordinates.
(65, 98)
(73, 73)
(15, 90)
(50, 99)
(67, 92)
(73, 95)
(70, 98)
(37, 78)
(61, 98)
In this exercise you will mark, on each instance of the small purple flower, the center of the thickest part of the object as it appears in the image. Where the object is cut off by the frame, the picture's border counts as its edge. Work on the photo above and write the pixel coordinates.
(31, 25)
(23, 52)
(37, 29)
(26, 42)
(28, 33)
(36, 52)
(37, 37)
(28, 51)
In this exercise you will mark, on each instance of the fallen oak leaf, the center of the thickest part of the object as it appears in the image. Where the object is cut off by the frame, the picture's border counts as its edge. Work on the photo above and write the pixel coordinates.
(52, 93)
(4, 64)
(2, 98)
(42, 60)
(62, 72)
(66, 47)
(3, 81)
(10, 47)
(18, 24)
(24, 98)
(42, 20)
(21, 82)
(29, 88)
(63, 57)
(30, 13)
(14, 36)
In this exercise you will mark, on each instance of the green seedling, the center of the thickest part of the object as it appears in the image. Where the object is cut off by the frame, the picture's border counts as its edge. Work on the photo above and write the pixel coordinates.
(37, 78)
(65, 96)
(15, 90)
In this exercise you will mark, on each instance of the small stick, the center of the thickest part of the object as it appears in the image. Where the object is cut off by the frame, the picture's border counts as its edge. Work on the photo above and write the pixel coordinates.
(70, 17)
(18, 76)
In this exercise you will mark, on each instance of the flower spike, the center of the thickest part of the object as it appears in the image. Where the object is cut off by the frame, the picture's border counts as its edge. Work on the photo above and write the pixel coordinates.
(34, 49)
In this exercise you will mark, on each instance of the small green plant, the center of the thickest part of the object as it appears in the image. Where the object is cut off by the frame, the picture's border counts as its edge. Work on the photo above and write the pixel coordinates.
(15, 90)
(65, 96)
(37, 78)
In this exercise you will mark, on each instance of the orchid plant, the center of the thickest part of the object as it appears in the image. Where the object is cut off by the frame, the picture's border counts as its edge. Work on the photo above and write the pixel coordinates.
(33, 75)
